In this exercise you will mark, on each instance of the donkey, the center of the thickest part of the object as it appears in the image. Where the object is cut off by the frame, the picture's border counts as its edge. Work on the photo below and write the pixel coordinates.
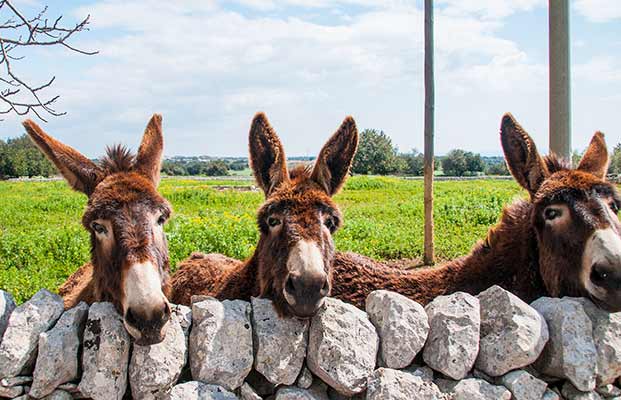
(125, 216)
(293, 258)
(564, 240)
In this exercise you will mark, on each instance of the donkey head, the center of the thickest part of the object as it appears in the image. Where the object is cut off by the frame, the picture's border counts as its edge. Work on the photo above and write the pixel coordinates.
(125, 216)
(574, 216)
(297, 220)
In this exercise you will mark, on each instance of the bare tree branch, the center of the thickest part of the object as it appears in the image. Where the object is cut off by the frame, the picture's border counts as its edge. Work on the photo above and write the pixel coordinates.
(19, 32)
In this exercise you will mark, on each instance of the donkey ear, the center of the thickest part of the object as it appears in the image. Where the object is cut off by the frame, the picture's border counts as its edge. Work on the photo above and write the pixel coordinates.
(523, 159)
(595, 159)
(149, 157)
(80, 172)
(336, 156)
(267, 155)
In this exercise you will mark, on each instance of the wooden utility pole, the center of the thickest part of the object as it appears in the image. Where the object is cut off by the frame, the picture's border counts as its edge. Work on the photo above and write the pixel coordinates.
(560, 90)
(428, 258)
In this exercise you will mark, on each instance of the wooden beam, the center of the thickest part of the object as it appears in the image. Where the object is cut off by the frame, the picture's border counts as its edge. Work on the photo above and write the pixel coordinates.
(560, 88)
(428, 258)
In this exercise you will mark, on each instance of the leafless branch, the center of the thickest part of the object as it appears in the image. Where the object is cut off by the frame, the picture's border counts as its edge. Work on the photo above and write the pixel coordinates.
(20, 32)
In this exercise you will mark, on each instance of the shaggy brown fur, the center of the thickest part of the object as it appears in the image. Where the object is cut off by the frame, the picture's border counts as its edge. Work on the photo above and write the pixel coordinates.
(298, 208)
(122, 210)
(522, 253)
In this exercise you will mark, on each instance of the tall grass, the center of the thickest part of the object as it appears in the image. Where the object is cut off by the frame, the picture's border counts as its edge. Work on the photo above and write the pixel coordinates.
(42, 240)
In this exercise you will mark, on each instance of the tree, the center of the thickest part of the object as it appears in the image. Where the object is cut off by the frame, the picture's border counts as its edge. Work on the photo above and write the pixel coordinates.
(216, 168)
(20, 157)
(413, 163)
(497, 169)
(459, 162)
(455, 163)
(376, 154)
(18, 33)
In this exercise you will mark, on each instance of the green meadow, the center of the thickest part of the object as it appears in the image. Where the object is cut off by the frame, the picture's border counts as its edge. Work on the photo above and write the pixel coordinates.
(42, 240)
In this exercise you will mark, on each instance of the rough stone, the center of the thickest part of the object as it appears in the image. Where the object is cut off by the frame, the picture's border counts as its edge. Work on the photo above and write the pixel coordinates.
(18, 350)
(342, 348)
(7, 305)
(58, 395)
(246, 392)
(183, 314)
(221, 342)
(305, 379)
(391, 384)
(473, 389)
(16, 381)
(199, 391)
(570, 392)
(523, 385)
(513, 334)
(453, 342)
(609, 390)
(402, 326)
(105, 354)
(550, 395)
(58, 361)
(11, 392)
(570, 353)
(154, 369)
(607, 338)
(425, 373)
(279, 343)
(315, 392)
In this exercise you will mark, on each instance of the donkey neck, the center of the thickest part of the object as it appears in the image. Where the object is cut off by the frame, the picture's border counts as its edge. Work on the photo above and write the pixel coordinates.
(239, 281)
(507, 257)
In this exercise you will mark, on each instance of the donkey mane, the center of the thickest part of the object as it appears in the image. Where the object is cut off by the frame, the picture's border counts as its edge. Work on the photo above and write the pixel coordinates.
(301, 172)
(118, 158)
(555, 163)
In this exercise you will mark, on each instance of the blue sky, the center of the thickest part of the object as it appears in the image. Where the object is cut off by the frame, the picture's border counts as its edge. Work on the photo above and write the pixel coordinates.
(209, 65)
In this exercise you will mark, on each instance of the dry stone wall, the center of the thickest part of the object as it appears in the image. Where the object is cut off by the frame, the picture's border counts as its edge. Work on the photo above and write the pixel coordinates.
(490, 346)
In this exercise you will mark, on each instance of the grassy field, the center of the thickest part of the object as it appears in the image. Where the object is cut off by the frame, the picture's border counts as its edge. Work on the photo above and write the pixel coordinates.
(42, 241)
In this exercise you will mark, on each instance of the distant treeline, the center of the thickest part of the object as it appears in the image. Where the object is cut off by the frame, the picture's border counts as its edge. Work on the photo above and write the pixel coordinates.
(376, 155)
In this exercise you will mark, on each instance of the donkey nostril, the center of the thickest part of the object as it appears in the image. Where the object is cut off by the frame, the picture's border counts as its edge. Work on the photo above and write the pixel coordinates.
(167, 310)
(326, 288)
(598, 274)
(289, 286)
(130, 317)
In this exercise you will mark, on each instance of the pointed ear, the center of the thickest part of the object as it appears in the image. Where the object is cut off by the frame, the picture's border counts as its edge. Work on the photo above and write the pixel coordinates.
(595, 159)
(267, 155)
(336, 156)
(80, 172)
(523, 159)
(149, 157)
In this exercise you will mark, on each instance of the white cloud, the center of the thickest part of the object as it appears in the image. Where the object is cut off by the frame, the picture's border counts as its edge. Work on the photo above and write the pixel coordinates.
(599, 10)
(602, 69)
(489, 9)
(208, 69)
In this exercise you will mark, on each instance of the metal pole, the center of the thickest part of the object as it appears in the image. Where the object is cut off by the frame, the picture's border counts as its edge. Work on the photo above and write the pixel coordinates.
(560, 91)
(428, 258)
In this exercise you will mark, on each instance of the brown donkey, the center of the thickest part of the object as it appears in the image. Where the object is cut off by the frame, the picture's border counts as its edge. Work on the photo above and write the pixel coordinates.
(293, 259)
(563, 241)
(125, 216)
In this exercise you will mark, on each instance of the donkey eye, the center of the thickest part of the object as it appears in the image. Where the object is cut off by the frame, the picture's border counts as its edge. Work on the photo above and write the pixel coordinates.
(552, 213)
(273, 221)
(99, 228)
(330, 224)
(614, 207)
(161, 220)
